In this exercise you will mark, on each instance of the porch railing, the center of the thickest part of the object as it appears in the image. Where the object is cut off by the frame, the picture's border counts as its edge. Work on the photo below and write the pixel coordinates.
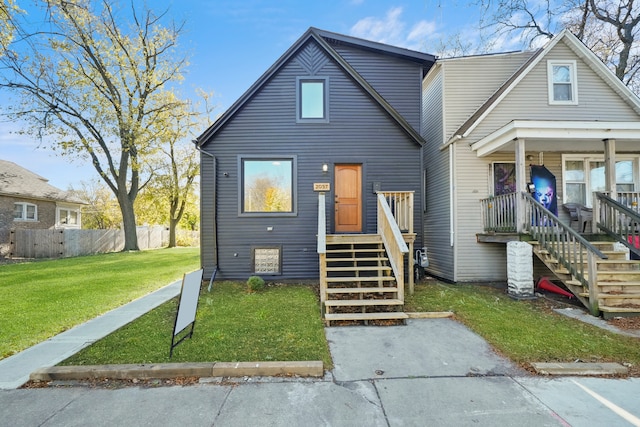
(619, 220)
(499, 213)
(393, 242)
(563, 243)
(401, 205)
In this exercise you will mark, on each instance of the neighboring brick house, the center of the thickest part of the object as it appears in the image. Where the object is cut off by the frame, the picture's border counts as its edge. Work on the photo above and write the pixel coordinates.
(27, 200)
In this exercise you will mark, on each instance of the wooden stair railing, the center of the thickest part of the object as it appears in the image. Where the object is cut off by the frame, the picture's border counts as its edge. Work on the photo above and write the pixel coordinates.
(618, 221)
(362, 275)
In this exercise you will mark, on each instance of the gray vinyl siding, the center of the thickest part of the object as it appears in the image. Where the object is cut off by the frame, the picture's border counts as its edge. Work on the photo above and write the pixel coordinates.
(358, 131)
(397, 80)
(529, 100)
(207, 214)
(470, 82)
(436, 223)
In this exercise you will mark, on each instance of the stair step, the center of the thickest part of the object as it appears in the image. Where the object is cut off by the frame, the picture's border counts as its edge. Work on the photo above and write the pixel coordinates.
(613, 309)
(610, 283)
(361, 268)
(353, 238)
(360, 279)
(351, 259)
(361, 290)
(362, 302)
(353, 250)
(366, 316)
(613, 296)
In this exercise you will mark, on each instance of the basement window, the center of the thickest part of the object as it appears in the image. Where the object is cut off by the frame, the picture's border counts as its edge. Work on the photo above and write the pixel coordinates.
(266, 260)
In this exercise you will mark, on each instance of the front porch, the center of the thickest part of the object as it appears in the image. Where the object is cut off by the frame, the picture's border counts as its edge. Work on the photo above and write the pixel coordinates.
(362, 276)
(597, 271)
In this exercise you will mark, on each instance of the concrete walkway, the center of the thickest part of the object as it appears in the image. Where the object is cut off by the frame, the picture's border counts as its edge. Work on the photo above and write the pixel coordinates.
(15, 370)
(428, 372)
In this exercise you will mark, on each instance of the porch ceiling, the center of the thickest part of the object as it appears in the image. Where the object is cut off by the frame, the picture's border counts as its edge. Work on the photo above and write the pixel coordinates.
(546, 135)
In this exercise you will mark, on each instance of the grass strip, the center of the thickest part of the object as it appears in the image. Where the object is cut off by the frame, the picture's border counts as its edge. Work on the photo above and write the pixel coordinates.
(281, 323)
(525, 331)
(43, 298)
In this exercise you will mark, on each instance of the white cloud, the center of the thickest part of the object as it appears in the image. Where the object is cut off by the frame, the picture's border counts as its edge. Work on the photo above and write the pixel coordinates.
(391, 29)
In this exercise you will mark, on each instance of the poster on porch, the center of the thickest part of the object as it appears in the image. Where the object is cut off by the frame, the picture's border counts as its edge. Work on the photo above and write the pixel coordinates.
(545, 187)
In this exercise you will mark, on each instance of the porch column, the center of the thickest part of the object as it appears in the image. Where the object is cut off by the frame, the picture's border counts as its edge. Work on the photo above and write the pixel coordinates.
(610, 168)
(521, 183)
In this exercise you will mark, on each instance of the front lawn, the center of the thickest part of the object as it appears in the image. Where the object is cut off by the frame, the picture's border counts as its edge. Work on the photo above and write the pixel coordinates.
(43, 298)
(525, 331)
(280, 323)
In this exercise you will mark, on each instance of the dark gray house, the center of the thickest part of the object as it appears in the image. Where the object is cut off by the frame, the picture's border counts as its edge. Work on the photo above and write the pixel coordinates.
(319, 171)
(334, 122)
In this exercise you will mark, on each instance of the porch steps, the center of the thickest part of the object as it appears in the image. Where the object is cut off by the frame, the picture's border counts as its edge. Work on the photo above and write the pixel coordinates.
(617, 282)
(358, 283)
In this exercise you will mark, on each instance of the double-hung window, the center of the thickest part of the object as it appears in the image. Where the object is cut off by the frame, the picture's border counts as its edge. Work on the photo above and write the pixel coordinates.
(25, 212)
(563, 82)
(267, 186)
(312, 99)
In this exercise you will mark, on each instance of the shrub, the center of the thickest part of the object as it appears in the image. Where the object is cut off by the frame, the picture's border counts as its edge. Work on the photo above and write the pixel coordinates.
(255, 283)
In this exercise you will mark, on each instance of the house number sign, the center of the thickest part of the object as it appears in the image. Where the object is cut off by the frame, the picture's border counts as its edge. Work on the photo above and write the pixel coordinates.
(321, 186)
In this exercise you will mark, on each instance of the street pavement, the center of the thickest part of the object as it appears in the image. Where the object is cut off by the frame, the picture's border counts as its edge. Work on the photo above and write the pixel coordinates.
(429, 372)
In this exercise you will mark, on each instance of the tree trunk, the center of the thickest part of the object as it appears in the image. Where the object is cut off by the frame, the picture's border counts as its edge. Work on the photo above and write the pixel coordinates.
(173, 223)
(129, 224)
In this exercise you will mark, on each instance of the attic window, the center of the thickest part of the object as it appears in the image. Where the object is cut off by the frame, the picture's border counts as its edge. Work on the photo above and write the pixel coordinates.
(312, 99)
(563, 82)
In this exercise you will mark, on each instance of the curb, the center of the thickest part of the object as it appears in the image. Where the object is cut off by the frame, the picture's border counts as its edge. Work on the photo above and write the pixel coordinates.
(579, 368)
(178, 370)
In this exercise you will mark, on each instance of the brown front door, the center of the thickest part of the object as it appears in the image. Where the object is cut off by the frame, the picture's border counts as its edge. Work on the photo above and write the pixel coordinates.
(348, 203)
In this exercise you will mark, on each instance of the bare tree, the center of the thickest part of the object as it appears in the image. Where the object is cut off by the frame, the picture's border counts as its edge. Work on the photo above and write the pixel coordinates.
(609, 29)
(94, 84)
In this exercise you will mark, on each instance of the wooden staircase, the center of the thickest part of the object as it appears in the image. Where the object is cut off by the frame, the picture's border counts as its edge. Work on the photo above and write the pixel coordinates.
(357, 281)
(616, 287)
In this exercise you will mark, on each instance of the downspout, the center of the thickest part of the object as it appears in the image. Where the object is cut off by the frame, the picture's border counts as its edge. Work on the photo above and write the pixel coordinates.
(215, 210)
(452, 187)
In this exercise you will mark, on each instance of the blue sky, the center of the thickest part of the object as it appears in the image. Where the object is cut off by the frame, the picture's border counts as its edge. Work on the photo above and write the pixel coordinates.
(231, 43)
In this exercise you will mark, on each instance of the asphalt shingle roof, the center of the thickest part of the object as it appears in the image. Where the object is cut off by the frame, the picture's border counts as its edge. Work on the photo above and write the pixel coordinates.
(18, 181)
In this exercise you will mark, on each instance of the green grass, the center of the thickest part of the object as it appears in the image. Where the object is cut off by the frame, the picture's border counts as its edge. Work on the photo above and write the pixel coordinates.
(525, 331)
(281, 323)
(41, 299)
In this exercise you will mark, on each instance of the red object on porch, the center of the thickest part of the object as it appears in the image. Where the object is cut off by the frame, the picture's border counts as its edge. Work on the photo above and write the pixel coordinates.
(545, 284)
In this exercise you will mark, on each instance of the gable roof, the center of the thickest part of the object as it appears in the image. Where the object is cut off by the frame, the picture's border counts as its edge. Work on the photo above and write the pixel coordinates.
(323, 38)
(580, 49)
(17, 181)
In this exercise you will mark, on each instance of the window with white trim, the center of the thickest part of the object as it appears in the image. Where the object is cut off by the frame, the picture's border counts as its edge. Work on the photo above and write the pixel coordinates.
(563, 82)
(68, 217)
(312, 101)
(25, 212)
(584, 175)
(267, 185)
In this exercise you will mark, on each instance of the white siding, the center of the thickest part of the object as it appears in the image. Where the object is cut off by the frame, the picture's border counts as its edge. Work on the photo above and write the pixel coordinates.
(470, 82)
(529, 100)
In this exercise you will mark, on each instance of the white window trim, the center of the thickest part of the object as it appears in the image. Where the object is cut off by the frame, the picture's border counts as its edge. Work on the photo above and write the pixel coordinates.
(299, 81)
(574, 82)
(59, 222)
(586, 158)
(24, 212)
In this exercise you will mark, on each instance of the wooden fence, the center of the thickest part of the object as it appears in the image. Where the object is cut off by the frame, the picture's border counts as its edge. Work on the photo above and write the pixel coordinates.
(62, 243)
